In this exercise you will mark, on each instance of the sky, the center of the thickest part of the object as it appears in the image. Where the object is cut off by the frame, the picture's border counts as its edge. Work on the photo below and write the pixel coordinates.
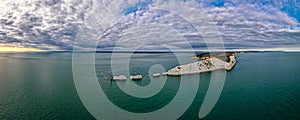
(242, 24)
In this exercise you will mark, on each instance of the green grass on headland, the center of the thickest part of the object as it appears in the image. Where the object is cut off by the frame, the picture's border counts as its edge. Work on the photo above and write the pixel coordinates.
(222, 56)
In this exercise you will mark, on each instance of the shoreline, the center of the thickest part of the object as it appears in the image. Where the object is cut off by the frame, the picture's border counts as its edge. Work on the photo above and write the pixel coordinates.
(205, 65)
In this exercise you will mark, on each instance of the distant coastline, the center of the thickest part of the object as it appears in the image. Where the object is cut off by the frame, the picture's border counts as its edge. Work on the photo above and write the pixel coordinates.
(150, 52)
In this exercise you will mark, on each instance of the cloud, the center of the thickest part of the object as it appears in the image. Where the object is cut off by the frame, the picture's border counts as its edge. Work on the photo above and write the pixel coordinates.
(41, 23)
(54, 24)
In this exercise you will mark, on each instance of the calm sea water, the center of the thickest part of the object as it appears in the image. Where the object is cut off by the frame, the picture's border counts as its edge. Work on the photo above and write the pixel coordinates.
(40, 86)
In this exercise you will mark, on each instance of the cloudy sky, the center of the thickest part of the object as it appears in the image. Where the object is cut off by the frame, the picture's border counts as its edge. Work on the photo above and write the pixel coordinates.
(150, 24)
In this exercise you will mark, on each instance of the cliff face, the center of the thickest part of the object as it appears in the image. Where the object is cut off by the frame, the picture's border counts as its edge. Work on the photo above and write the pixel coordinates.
(231, 63)
(207, 65)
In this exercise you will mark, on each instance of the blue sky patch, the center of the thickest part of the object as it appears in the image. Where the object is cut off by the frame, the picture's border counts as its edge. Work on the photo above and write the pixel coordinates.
(292, 10)
(218, 3)
(139, 6)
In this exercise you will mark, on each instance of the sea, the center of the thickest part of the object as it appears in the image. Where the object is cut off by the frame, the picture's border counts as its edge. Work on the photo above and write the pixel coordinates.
(262, 85)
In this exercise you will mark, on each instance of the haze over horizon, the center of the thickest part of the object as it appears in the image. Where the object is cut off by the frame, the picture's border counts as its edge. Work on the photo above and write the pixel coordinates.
(53, 24)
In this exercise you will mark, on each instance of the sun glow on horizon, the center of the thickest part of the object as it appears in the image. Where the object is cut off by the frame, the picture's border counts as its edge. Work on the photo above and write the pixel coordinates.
(10, 48)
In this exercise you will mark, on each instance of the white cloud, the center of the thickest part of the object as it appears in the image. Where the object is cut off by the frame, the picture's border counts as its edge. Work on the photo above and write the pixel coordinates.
(37, 22)
(53, 24)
